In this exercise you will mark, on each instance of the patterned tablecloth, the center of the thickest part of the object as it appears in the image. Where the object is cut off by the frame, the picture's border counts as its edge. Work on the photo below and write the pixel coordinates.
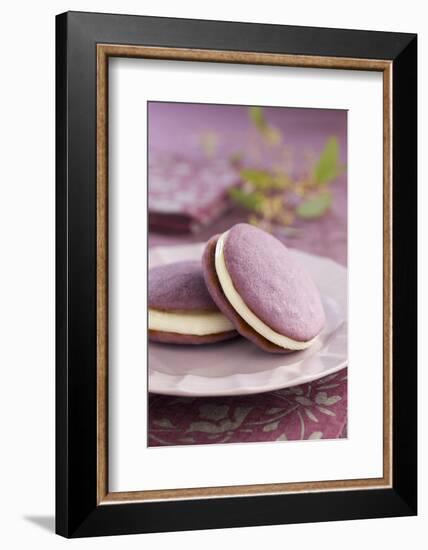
(309, 411)
(316, 410)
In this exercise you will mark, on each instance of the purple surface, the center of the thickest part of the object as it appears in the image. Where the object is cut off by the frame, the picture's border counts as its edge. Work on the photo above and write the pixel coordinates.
(179, 286)
(316, 410)
(176, 129)
(183, 128)
(276, 288)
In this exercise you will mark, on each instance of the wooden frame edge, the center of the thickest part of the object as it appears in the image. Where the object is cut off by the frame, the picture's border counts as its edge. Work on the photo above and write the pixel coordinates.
(102, 271)
(103, 52)
(241, 57)
(387, 274)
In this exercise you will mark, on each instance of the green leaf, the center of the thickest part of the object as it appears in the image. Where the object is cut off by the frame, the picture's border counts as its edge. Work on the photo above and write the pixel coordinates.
(251, 201)
(257, 117)
(258, 178)
(272, 135)
(262, 180)
(315, 207)
(327, 167)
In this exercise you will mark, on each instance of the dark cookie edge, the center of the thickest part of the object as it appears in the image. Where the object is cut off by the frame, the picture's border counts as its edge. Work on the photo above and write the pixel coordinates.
(160, 336)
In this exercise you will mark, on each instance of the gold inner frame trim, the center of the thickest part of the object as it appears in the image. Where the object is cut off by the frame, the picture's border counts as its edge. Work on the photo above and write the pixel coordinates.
(104, 51)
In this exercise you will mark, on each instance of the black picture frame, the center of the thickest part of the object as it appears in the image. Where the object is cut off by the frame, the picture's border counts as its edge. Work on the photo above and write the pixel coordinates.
(77, 512)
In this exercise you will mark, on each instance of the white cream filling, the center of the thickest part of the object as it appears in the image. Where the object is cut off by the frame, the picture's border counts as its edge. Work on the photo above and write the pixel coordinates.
(244, 311)
(198, 323)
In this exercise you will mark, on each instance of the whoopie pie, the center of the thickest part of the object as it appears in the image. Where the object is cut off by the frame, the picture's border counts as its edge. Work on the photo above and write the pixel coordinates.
(262, 288)
(181, 310)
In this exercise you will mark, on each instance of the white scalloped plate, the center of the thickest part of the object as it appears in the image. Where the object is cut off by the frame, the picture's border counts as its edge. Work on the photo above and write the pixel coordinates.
(238, 367)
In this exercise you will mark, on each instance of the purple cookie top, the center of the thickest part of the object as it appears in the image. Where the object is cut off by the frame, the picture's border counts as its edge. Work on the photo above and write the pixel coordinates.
(272, 283)
(179, 286)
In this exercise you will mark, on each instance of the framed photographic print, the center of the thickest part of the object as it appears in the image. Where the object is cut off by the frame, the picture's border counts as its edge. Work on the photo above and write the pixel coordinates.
(236, 274)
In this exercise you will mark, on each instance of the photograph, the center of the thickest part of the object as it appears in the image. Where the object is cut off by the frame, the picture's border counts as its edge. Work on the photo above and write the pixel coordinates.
(247, 273)
(211, 275)
(235, 323)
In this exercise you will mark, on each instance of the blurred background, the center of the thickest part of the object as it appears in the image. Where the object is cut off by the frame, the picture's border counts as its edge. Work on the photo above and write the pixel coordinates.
(282, 169)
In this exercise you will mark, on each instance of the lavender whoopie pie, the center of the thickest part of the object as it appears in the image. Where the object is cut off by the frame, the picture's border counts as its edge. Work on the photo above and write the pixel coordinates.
(264, 291)
(181, 310)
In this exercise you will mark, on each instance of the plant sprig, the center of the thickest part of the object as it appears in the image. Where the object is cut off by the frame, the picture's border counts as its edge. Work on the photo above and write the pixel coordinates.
(272, 196)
